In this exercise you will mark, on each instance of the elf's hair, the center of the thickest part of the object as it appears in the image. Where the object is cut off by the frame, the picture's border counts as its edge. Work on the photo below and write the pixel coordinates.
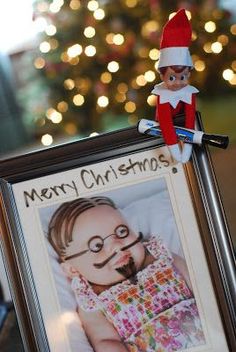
(61, 225)
(175, 68)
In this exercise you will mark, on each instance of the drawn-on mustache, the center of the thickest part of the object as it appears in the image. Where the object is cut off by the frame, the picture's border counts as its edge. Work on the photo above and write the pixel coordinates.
(101, 265)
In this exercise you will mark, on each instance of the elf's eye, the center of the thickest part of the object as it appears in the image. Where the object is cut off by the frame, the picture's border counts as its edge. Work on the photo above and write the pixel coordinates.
(172, 78)
(183, 77)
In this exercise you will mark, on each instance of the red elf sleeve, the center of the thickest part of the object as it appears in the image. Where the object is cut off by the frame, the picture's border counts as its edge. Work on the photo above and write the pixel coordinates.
(164, 117)
(190, 111)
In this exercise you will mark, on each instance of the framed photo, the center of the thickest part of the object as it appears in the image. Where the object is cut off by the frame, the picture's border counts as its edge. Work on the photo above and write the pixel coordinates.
(108, 242)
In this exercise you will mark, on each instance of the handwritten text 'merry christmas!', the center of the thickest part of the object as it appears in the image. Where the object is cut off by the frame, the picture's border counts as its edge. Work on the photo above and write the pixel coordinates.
(89, 179)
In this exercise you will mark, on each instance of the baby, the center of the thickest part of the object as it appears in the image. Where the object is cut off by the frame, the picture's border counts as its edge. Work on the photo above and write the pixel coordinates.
(132, 295)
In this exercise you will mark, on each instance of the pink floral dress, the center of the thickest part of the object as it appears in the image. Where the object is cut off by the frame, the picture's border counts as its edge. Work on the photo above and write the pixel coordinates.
(157, 312)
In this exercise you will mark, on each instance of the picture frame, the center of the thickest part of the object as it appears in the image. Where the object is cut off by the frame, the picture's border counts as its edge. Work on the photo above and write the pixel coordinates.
(138, 173)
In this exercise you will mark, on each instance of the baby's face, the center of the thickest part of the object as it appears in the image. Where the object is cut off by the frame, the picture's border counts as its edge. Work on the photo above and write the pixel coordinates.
(111, 249)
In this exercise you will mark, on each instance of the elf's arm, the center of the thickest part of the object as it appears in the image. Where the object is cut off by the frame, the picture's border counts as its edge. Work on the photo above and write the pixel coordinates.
(190, 111)
(164, 117)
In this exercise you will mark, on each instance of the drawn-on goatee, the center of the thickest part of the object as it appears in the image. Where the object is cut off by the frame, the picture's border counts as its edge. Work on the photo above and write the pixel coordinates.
(128, 270)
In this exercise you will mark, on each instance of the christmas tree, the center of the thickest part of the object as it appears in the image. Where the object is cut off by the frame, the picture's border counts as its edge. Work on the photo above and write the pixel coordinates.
(95, 65)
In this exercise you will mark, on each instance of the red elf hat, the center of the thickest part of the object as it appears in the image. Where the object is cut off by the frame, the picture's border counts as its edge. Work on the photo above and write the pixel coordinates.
(176, 38)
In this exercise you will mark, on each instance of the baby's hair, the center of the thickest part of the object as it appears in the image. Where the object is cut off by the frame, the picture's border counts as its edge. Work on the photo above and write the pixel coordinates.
(61, 225)
(175, 68)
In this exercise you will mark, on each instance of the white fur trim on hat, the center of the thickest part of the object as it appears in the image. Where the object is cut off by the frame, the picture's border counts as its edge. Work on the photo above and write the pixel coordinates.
(175, 56)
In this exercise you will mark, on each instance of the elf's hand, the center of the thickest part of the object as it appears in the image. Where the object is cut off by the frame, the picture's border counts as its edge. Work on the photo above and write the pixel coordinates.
(175, 152)
(186, 152)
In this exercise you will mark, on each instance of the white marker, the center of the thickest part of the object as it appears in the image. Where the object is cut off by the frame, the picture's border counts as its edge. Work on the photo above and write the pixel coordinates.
(186, 135)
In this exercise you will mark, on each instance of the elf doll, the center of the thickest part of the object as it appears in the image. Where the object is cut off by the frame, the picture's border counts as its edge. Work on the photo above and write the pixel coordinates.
(174, 94)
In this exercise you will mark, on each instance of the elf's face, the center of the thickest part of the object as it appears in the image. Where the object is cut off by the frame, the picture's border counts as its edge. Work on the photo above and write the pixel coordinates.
(175, 80)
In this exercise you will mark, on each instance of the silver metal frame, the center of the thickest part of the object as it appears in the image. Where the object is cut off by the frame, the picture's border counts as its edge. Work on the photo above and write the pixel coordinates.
(203, 189)
(220, 246)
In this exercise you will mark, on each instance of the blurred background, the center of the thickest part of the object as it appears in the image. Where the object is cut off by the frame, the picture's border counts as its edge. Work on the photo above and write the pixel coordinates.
(71, 69)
